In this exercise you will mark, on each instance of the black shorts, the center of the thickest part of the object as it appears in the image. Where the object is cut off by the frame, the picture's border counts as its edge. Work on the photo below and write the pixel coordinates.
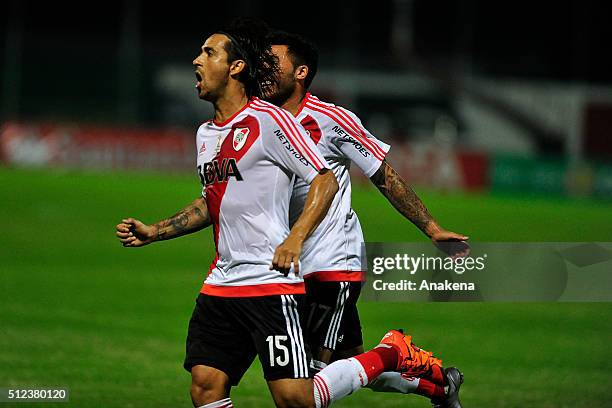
(333, 320)
(227, 333)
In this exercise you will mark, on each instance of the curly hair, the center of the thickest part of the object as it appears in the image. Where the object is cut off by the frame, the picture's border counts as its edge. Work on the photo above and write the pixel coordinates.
(248, 42)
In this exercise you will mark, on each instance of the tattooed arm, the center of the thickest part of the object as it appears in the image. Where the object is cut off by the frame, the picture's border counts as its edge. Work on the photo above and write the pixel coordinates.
(134, 233)
(407, 203)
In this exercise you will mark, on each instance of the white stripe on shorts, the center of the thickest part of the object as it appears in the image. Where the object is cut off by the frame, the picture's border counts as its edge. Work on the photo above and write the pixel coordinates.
(302, 348)
(298, 354)
(334, 325)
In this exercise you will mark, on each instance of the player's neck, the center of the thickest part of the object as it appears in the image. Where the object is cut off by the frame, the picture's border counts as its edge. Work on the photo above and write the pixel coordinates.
(294, 102)
(228, 104)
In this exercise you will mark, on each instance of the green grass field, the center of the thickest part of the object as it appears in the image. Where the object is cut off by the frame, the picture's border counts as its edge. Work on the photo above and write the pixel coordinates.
(80, 311)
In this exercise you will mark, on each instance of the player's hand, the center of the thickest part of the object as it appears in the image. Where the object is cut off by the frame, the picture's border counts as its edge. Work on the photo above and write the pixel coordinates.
(134, 233)
(286, 254)
(451, 243)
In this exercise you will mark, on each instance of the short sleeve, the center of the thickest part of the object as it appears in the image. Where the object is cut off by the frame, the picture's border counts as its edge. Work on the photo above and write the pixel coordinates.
(357, 143)
(288, 145)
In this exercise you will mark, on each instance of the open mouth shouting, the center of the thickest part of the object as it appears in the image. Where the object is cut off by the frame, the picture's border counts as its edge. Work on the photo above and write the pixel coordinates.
(199, 80)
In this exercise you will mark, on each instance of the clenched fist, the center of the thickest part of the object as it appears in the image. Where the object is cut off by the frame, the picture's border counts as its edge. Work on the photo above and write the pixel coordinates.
(134, 233)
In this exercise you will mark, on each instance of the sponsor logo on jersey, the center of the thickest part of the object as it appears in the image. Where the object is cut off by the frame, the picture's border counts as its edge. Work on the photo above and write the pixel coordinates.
(240, 137)
(360, 148)
(283, 139)
(218, 171)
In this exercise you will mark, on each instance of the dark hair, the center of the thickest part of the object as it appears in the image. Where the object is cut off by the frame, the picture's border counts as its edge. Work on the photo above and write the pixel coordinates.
(248, 42)
(302, 51)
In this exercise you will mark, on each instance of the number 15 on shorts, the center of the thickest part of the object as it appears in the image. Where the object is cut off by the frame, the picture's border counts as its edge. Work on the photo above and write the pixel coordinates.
(279, 354)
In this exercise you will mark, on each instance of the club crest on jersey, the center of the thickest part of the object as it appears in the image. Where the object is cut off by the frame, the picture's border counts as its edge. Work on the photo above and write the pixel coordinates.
(240, 137)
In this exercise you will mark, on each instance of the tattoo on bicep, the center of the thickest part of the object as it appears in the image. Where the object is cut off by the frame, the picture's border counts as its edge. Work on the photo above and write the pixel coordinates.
(198, 212)
(403, 198)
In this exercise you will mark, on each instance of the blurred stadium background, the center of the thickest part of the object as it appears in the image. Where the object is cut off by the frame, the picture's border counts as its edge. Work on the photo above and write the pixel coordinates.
(500, 113)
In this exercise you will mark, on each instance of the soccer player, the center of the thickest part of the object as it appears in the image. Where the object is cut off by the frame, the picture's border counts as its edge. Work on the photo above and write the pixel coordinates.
(331, 258)
(247, 157)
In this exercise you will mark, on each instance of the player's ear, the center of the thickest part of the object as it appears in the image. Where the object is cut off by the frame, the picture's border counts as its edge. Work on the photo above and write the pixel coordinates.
(236, 67)
(301, 72)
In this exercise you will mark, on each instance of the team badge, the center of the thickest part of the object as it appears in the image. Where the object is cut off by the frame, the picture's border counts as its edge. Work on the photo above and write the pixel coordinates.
(240, 137)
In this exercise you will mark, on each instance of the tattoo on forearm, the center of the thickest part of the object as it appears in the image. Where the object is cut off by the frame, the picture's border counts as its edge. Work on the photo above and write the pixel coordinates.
(180, 221)
(401, 196)
(187, 220)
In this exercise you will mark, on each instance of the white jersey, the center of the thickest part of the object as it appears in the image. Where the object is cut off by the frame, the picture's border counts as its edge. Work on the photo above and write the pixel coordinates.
(333, 252)
(246, 166)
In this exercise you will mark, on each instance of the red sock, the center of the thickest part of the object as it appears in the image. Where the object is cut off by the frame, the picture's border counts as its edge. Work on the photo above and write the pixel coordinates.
(436, 375)
(428, 389)
(378, 360)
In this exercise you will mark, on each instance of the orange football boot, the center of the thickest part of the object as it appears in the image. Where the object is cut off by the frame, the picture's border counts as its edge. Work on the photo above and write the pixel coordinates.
(413, 360)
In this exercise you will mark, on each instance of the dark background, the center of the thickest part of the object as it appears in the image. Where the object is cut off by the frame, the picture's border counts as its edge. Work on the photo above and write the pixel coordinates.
(89, 60)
